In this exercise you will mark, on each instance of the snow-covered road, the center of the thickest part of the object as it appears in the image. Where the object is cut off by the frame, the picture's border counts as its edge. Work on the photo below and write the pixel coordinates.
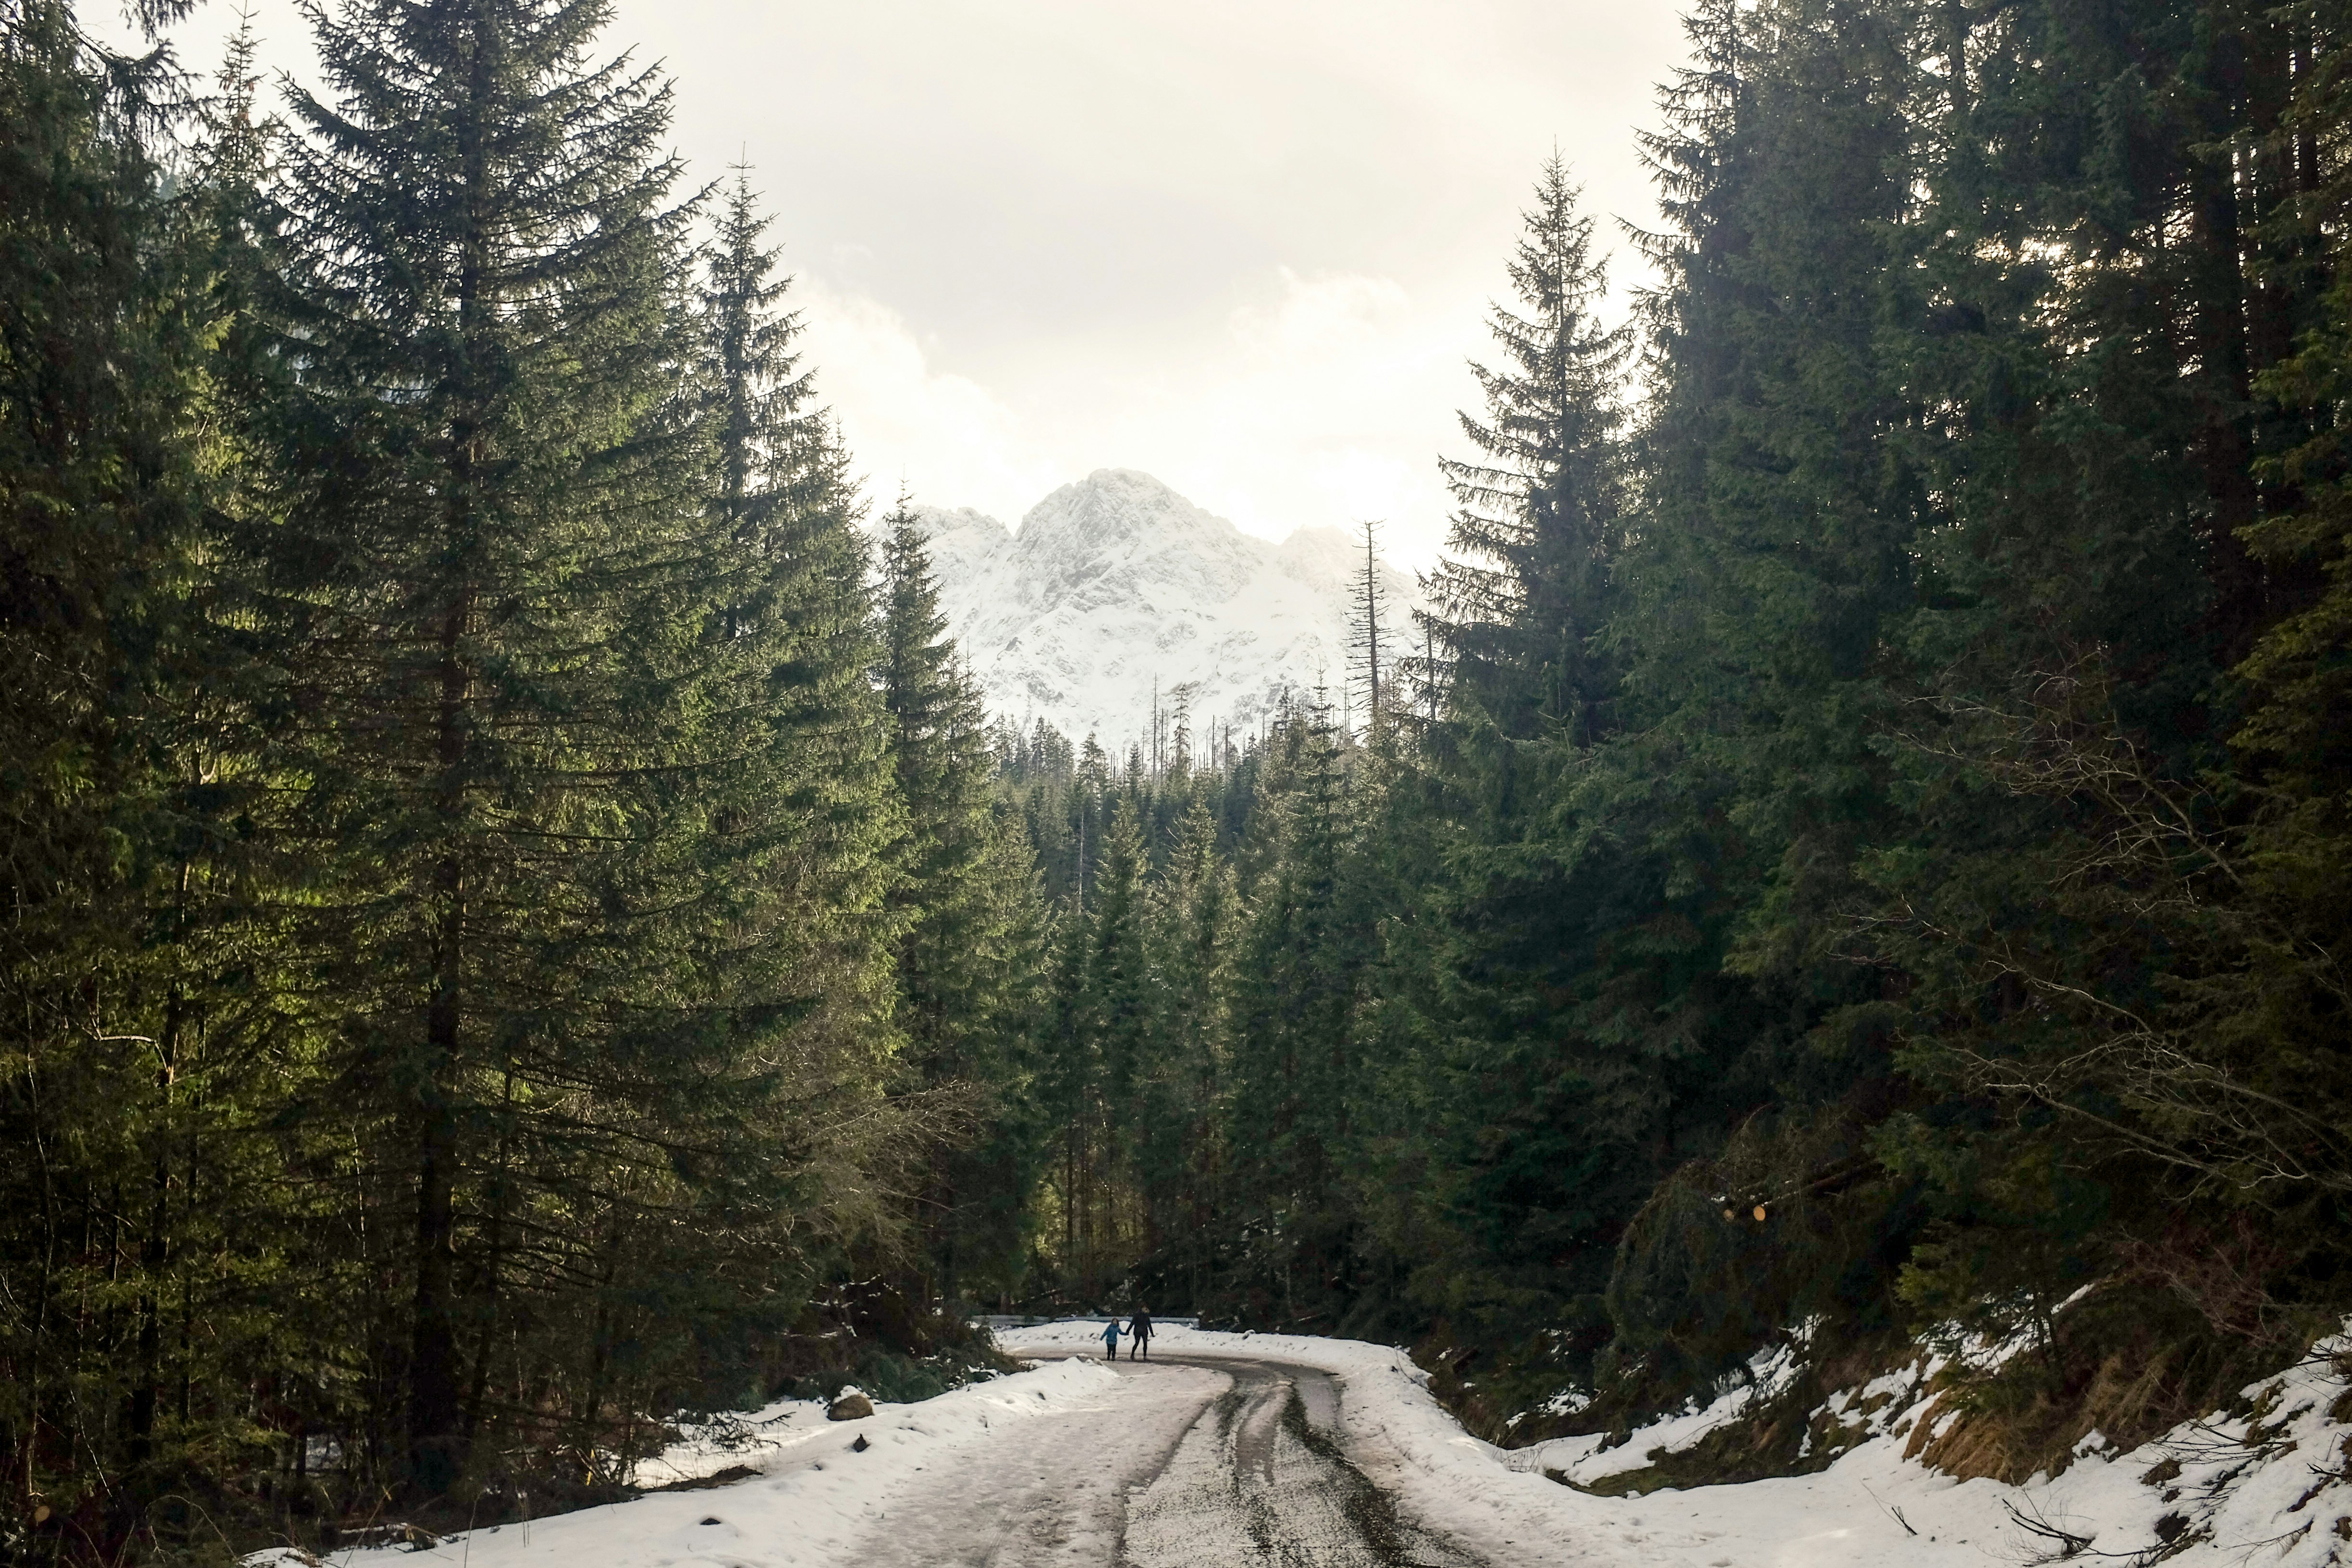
(1058, 1494)
(1280, 1449)
(1217, 1456)
(1174, 1464)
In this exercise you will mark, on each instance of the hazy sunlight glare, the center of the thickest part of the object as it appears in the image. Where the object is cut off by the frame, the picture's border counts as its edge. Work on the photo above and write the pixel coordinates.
(1247, 248)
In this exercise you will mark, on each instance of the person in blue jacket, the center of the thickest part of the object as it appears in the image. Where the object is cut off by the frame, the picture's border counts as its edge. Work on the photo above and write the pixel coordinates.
(1110, 1339)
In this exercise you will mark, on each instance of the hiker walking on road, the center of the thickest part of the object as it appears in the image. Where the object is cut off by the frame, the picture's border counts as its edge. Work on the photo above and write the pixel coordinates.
(1111, 1338)
(1138, 1329)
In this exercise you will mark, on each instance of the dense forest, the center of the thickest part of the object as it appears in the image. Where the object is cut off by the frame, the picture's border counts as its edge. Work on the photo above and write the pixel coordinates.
(478, 815)
(1857, 847)
(518, 923)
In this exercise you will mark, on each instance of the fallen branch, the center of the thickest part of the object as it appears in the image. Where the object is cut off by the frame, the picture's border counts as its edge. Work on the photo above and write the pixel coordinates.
(2069, 1544)
(1890, 1511)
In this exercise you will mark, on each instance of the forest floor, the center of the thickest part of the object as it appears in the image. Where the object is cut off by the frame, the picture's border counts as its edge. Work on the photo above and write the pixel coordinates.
(1251, 1449)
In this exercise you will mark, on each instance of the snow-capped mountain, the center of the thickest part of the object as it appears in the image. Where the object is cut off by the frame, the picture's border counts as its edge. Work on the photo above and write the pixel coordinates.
(1117, 582)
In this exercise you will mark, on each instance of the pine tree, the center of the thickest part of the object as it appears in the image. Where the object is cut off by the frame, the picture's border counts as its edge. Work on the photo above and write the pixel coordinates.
(499, 591)
(1296, 1067)
(1369, 625)
(1183, 1105)
(1521, 600)
(964, 983)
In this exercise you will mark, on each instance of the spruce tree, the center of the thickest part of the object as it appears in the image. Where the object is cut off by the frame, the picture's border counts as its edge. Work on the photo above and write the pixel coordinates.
(1783, 512)
(2123, 525)
(1069, 1089)
(499, 593)
(992, 1226)
(784, 675)
(1118, 1011)
(132, 1060)
(1184, 1094)
(944, 772)
(1521, 600)
(1507, 887)
(1918, 804)
(962, 976)
(1296, 1062)
(789, 846)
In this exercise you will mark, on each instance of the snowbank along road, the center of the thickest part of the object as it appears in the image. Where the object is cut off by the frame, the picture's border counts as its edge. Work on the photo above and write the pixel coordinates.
(1279, 1449)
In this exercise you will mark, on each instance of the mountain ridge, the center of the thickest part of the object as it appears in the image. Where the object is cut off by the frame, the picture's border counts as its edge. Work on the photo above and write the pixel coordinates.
(1115, 584)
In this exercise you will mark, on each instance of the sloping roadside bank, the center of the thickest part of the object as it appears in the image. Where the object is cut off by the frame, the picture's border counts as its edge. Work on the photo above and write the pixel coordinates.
(2269, 1484)
(810, 1492)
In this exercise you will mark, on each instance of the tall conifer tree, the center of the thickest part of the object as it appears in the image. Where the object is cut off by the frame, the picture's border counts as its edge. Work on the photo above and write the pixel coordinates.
(1296, 1067)
(494, 586)
(1521, 599)
(965, 956)
(137, 1018)
(1184, 1095)
(1521, 626)
(793, 825)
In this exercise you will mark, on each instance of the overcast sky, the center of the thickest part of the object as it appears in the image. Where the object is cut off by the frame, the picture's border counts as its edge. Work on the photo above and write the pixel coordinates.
(1243, 244)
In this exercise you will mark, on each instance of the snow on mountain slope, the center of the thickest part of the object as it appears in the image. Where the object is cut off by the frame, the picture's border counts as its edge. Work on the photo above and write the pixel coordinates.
(1117, 581)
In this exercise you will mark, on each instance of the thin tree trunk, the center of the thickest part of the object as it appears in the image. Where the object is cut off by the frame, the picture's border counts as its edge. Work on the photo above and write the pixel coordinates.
(601, 1358)
(494, 1244)
(155, 1254)
(2218, 287)
(434, 1422)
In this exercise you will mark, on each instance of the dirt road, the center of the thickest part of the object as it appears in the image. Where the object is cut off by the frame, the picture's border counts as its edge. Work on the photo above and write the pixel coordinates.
(1194, 1463)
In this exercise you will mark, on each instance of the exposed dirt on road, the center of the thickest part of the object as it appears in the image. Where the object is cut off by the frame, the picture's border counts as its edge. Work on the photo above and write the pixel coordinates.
(1186, 1463)
(1261, 1478)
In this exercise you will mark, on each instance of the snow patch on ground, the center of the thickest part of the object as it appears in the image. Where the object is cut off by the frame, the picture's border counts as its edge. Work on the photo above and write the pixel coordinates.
(1769, 1374)
(2269, 1490)
(811, 1499)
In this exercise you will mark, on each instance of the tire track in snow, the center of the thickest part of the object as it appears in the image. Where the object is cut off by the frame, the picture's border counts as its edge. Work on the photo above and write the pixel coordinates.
(1184, 1464)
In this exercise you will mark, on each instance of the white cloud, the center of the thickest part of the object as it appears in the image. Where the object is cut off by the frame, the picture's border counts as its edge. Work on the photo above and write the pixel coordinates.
(1314, 404)
(1244, 247)
(1369, 485)
(1330, 408)
(1320, 316)
(945, 437)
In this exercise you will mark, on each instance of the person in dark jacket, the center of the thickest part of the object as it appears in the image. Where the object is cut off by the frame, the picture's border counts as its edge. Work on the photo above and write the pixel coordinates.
(1138, 1334)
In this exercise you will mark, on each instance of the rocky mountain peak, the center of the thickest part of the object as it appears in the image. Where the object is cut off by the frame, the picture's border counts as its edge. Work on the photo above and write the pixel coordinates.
(1116, 584)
